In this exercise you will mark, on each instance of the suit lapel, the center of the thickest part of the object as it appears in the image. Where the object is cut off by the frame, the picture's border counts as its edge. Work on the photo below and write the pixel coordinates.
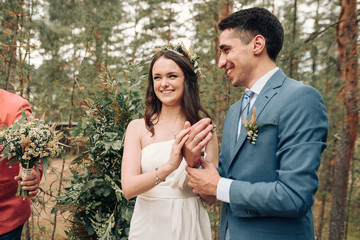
(270, 89)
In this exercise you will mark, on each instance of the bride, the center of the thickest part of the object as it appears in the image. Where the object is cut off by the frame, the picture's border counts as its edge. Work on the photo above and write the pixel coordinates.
(153, 168)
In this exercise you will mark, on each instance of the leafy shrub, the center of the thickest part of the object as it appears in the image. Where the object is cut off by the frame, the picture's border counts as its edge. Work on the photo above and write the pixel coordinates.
(95, 200)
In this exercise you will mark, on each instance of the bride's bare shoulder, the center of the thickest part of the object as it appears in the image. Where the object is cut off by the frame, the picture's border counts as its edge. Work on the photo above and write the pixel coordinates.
(137, 132)
(137, 122)
(137, 125)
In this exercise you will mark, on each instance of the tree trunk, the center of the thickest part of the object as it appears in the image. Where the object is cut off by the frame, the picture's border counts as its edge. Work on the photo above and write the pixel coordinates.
(72, 100)
(58, 195)
(28, 50)
(347, 33)
(12, 53)
(22, 58)
(292, 57)
(324, 175)
(27, 230)
(136, 34)
(221, 98)
(168, 38)
(314, 49)
(351, 190)
(225, 11)
(322, 214)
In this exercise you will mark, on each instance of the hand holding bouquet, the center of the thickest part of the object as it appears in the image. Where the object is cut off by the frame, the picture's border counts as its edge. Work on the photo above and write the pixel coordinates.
(27, 142)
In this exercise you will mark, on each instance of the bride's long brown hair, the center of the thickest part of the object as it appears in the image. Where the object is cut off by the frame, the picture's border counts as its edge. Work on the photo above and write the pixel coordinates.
(191, 105)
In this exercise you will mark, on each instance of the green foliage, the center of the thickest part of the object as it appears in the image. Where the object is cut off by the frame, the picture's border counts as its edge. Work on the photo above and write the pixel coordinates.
(15, 34)
(153, 23)
(95, 197)
(78, 38)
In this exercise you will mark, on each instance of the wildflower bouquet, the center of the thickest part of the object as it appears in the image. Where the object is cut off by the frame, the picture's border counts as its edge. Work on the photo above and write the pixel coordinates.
(27, 142)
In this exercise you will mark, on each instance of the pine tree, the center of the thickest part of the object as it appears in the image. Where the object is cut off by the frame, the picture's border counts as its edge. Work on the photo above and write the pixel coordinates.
(347, 35)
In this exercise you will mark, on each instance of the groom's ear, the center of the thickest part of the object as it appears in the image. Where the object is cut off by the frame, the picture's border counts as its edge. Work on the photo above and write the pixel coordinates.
(259, 44)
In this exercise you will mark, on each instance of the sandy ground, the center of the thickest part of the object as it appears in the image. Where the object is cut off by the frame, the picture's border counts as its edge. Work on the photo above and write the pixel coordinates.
(42, 219)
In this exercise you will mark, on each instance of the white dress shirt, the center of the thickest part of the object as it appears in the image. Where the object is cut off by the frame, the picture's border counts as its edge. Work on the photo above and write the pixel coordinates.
(223, 187)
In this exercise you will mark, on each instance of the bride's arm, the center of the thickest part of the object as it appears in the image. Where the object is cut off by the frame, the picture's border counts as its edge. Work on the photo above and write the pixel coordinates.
(133, 181)
(212, 155)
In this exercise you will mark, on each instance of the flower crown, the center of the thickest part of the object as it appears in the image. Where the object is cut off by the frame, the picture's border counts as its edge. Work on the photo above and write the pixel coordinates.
(182, 51)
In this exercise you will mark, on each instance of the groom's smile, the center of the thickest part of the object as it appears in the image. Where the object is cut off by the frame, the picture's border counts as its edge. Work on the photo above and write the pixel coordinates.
(229, 71)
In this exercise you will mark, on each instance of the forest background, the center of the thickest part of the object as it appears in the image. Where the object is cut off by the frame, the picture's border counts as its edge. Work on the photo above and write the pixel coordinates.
(84, 64)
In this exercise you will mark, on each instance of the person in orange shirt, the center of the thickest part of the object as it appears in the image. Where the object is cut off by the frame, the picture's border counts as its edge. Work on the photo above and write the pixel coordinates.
(14, 211)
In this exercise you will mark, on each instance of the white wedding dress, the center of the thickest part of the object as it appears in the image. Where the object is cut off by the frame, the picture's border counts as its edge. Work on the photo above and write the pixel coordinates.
(170, 210)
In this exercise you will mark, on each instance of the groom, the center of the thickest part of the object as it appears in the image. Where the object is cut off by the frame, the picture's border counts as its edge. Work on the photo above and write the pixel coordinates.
(267, 187)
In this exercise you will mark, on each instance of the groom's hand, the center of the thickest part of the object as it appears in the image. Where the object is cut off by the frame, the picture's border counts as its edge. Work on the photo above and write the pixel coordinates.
(204, 181)
(200, 135)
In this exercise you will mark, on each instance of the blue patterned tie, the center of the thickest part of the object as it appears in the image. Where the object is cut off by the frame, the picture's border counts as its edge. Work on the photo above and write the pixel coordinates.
(246, 104)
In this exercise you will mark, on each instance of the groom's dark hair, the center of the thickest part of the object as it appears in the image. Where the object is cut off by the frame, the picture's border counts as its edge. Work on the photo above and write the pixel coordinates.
(254, 21)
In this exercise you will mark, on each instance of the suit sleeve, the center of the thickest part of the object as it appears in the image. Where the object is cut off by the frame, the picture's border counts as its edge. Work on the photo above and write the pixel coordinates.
(302, 132)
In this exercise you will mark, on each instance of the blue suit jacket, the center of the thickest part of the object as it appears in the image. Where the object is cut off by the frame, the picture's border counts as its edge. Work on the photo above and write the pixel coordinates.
(275, 180)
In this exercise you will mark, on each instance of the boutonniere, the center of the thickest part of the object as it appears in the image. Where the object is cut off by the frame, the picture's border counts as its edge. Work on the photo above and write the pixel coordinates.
(253, 128)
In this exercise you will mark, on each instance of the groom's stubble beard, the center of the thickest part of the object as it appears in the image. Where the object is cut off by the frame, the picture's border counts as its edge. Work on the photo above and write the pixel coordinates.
(243, 77)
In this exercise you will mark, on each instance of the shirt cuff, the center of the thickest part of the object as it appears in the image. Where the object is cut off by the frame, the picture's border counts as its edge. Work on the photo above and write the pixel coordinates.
(223, 190)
